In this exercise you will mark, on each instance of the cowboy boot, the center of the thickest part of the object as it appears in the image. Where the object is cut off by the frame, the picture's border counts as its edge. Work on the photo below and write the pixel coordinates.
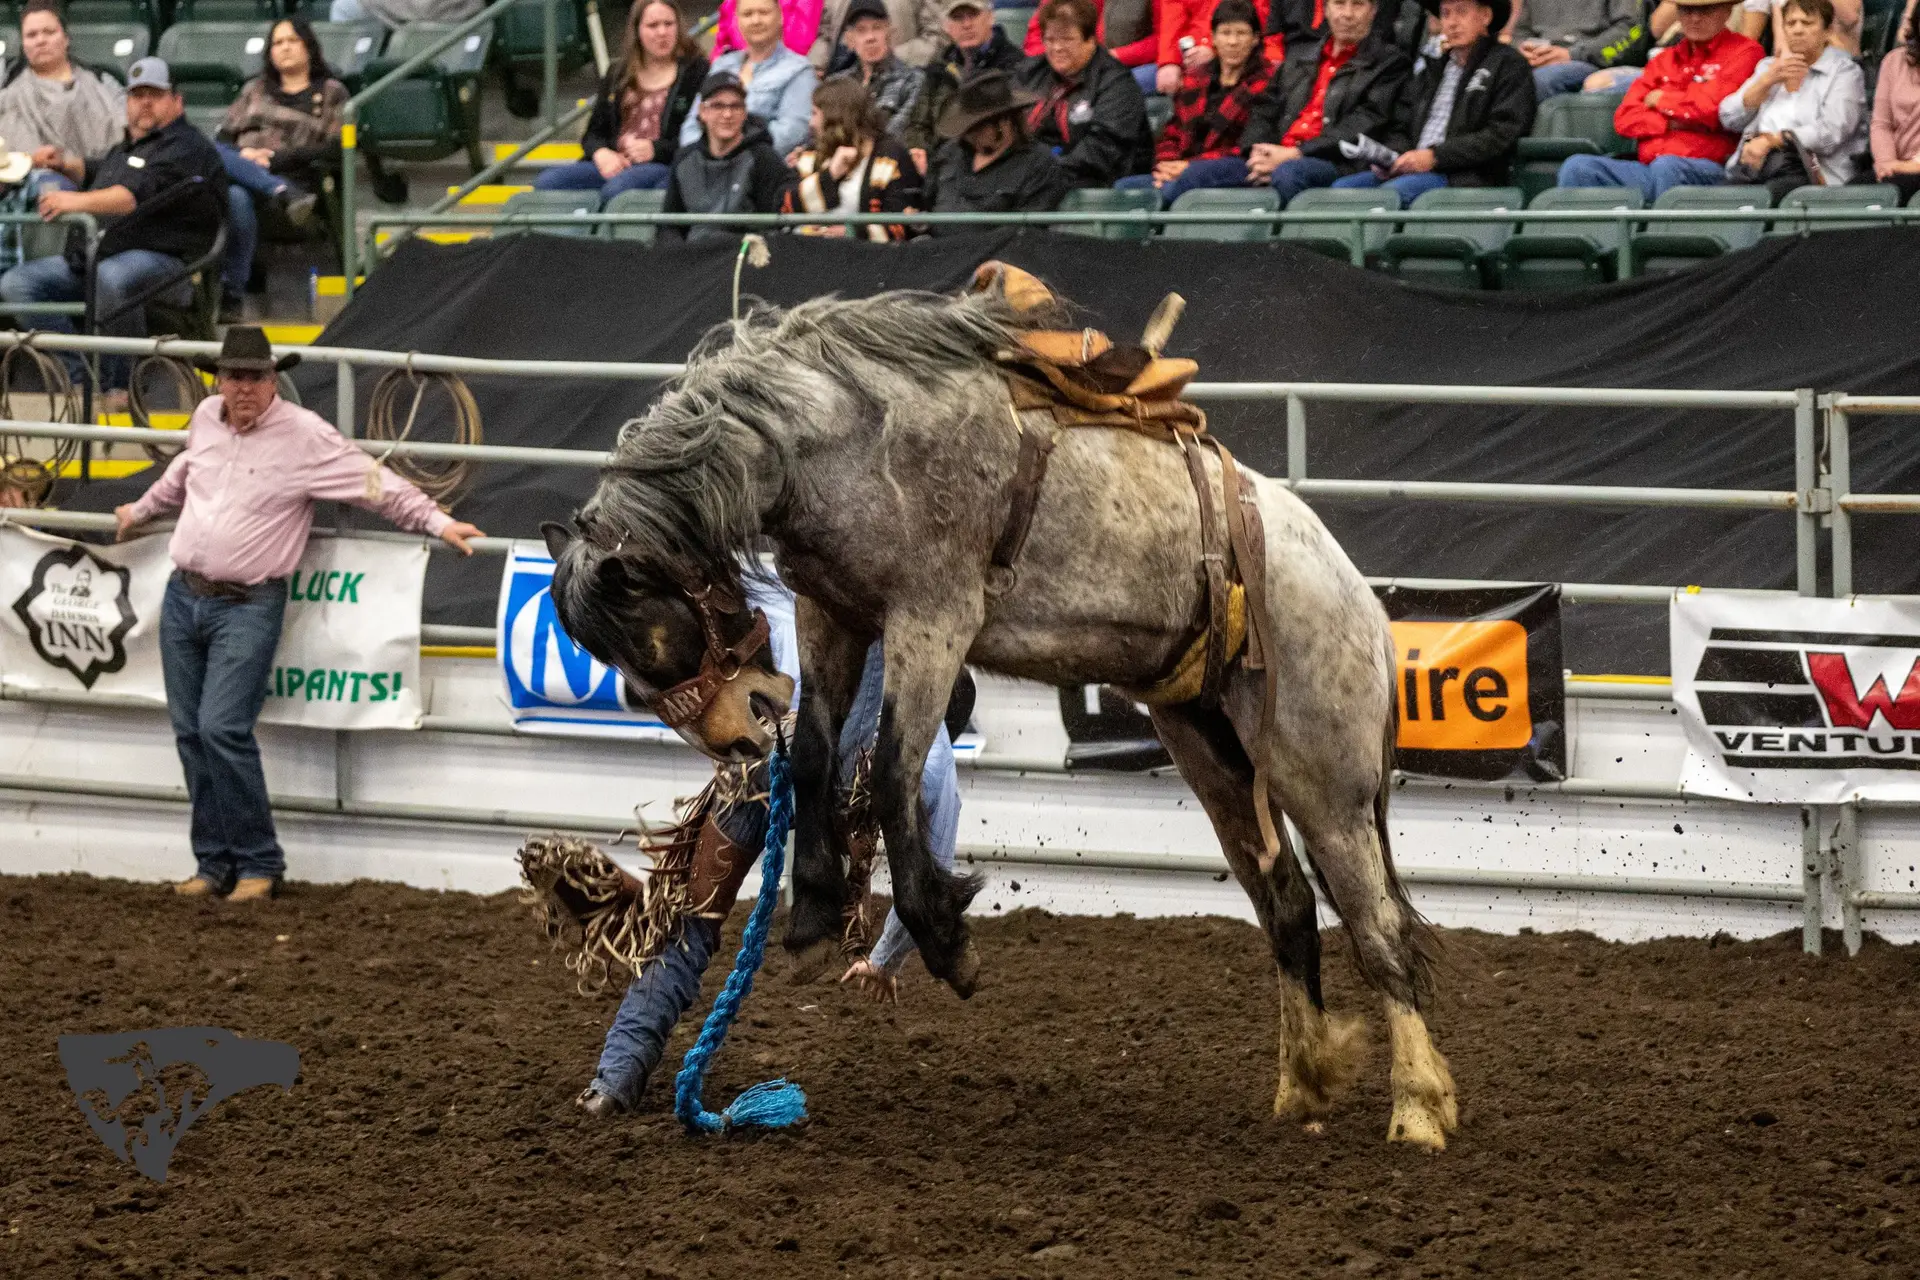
(719, 865)
(254, 888)
(197, 887)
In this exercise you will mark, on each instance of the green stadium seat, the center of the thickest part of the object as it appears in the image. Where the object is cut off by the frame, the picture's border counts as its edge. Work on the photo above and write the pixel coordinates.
(519, 45)
(1331, 239)
(1159, 113)
(1567, 255)
(1874, 197)
(572, 202)
(1013, 24)
(256, 13)
(1224, 200)
(211, 60)
(1104, 200)
(634, 202)
(433, 113)
(350, 46)
(89, 13)
(110, 46)
(1672, 246)
(1568, 124)
(1458, 255)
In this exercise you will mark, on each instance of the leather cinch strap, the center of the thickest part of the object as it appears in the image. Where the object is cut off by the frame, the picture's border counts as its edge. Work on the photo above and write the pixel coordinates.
(1029, 471)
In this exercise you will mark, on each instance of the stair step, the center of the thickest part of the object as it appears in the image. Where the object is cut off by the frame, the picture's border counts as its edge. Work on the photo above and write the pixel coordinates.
(545, 154)
(296, 335)
(490, 195)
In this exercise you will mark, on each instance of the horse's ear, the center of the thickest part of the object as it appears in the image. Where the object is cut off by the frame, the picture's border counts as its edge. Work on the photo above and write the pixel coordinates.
(557, 536)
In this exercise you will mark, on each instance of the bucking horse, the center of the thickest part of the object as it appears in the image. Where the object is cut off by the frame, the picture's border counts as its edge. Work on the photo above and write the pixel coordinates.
(968, 482)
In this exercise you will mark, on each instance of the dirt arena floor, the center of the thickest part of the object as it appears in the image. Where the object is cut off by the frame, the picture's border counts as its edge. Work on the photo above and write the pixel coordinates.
(1100, 1109)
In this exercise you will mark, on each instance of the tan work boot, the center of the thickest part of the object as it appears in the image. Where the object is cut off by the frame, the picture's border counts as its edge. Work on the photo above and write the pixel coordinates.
(198, 887)
(253, 888)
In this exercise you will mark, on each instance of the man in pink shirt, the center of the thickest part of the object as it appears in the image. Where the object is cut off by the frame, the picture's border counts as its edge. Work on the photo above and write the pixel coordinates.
(245, 486)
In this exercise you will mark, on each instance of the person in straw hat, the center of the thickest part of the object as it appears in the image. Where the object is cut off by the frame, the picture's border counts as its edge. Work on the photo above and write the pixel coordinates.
(245, 486)
(990, 163)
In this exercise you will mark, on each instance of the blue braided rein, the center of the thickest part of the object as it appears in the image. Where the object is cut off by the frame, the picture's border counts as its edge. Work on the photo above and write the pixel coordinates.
(775, 1103)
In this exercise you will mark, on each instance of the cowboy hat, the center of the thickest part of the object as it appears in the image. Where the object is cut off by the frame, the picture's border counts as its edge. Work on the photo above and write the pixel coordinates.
(1502, 10)
(14, 165)
(987, 96)
(246, 347)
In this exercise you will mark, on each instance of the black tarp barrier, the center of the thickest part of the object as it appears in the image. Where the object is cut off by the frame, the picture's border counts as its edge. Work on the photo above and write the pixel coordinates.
(1832, 311)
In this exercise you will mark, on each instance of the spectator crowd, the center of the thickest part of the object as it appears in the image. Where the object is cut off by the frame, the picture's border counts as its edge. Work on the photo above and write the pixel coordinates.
(897, 107)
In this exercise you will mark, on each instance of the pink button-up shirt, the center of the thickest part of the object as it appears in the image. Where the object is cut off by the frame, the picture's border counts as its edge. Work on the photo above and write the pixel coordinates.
(246, 500)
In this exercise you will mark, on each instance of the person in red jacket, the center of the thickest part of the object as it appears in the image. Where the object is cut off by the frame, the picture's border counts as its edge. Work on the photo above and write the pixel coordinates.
(1193, 21)
(1674, 109)
(1214, 105)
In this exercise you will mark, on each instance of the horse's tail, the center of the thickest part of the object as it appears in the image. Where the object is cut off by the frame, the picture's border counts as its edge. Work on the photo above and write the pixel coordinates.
(1423, 951)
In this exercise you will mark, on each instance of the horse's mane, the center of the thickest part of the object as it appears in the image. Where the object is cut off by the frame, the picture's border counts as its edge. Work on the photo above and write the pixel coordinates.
(680, 488)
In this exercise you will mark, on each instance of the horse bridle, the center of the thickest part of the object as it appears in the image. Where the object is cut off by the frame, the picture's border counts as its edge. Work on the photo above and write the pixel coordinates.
(720, 662)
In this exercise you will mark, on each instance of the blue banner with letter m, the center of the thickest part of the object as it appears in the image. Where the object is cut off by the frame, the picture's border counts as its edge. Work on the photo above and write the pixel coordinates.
(552, 684)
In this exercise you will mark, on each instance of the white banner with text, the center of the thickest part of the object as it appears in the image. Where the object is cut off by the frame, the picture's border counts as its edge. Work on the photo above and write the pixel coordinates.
(1798, 700)
(81, 619)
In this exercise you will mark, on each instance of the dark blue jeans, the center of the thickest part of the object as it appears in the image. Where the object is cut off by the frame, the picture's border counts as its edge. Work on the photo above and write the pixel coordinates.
(667, 988)
(245, 181)
(217, 656)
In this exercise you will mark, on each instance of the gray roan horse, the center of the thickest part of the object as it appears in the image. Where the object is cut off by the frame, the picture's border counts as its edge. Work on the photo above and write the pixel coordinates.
(871, 443)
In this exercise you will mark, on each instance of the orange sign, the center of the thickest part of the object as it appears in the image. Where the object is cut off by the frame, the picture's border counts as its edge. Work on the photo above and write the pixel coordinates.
(1462, 685)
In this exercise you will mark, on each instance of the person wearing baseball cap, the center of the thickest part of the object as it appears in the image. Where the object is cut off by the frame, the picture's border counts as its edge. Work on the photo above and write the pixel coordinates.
(1673, 109)
(990, 163)
(892, 85)
(974, 44)
(1463, 115)
(160, 194)
(731, 168)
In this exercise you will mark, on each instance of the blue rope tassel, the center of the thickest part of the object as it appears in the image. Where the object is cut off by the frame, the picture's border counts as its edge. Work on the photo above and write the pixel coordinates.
(775, 1103)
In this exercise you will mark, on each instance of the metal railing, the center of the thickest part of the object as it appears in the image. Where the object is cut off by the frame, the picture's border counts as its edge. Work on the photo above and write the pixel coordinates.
(1819, 492)
(1356, 222)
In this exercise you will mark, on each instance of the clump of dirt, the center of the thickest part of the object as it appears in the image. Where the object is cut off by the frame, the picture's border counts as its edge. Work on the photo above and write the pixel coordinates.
(1101, 1107)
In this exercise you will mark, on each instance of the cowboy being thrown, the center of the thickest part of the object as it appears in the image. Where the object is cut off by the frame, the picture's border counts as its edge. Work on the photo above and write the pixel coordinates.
(245, 486)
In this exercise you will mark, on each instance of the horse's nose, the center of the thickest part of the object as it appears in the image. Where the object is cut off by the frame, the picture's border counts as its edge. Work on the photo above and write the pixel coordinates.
(742, 750)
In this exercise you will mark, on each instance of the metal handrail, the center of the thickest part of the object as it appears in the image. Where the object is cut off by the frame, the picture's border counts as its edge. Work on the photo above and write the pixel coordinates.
(350, 118)
(519, 153)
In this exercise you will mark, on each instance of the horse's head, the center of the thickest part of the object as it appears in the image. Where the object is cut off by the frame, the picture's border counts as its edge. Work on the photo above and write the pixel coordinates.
(694, 652)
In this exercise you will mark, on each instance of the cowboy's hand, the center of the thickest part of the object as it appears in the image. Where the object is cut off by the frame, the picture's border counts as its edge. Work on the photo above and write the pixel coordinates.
(124, 520)
(875, 983)
(1420, 161)
(456, 534)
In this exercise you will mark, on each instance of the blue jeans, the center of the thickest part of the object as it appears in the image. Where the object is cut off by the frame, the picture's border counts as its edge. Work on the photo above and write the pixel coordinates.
(1409, 186)
(1288, 180)
(247, 180)
(1560, 77)
(216, 657)
(667, 988)
(115, 279)
(582, 175)
(1145, 77)
(1653, 180)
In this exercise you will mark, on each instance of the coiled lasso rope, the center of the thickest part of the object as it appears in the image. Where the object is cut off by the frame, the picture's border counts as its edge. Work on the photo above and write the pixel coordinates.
(775, 1103)
(443, 481)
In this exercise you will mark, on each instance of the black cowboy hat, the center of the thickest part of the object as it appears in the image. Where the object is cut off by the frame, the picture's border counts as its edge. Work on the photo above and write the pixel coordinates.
(246, 347)
(984, 97)
(1502, 10)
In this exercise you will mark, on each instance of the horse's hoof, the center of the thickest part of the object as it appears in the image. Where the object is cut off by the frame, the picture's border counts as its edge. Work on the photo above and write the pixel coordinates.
(965, 978)
(1418, 1125)
(812, 960)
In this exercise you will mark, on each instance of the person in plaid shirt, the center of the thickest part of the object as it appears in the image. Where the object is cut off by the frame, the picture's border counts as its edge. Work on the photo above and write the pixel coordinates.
(1215, 101)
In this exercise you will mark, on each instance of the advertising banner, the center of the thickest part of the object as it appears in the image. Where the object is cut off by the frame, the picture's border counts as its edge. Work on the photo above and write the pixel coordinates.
(1477, 680)
(551, 684)
(77, 618)
(81, 619)
(1798, 700)
(349, 655)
